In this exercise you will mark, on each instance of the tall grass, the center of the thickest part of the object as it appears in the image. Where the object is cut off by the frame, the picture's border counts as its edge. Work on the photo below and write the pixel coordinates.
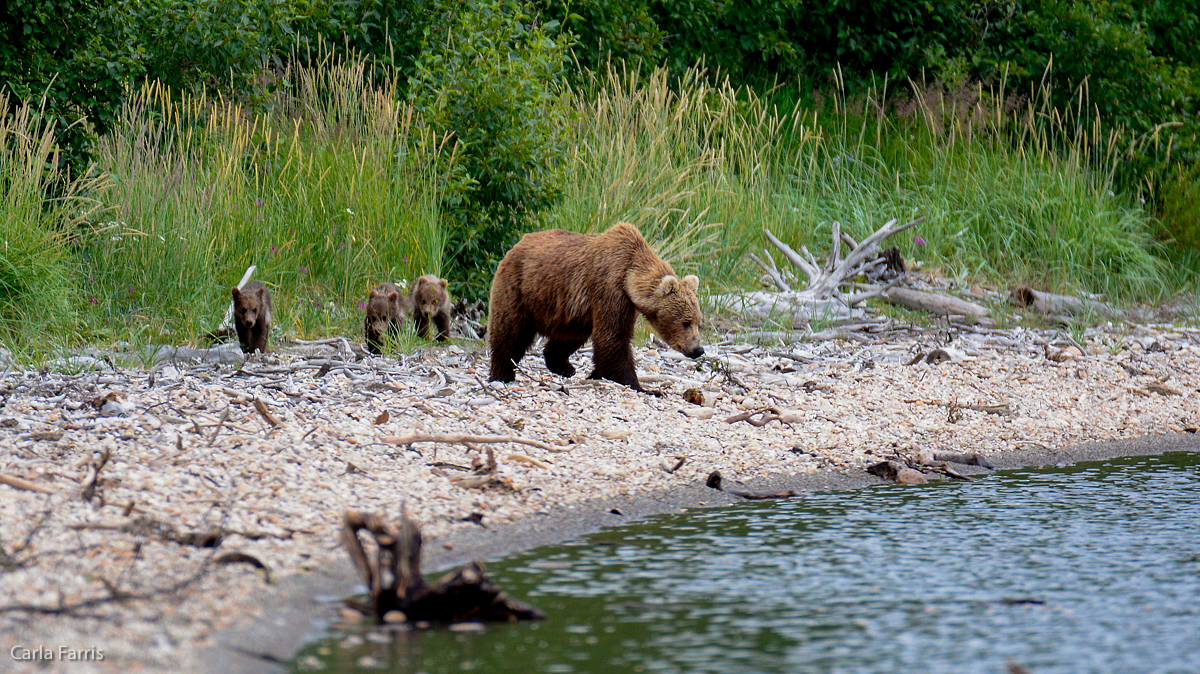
(1012, 189)
(329, 190)
(39, 209)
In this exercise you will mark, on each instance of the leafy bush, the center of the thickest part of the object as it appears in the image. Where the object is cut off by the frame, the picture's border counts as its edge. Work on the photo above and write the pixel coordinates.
(1180, 207)
(609, 31)
(74, 58)
(489, 75)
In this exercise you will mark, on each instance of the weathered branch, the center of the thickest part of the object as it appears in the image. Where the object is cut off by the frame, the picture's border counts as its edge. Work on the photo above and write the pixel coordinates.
(19, 483)
(459, 439)
(99, 459)
(397, 586)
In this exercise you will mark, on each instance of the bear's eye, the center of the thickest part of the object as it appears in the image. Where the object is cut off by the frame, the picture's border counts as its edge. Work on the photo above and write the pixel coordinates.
(687, 325)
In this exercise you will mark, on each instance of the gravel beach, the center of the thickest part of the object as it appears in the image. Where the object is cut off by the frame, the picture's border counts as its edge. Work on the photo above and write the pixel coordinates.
(264, 456)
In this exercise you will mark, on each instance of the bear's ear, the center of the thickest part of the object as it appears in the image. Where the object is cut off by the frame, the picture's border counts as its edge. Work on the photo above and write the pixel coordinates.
(443, 282)
(261, 292)
(393, 297)
(691, 283)
(237, 292)
(373, 293)
(666, 286)
(420, 282)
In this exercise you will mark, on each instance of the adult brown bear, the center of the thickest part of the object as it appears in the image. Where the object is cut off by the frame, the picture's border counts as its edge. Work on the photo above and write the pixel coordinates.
(570, 286)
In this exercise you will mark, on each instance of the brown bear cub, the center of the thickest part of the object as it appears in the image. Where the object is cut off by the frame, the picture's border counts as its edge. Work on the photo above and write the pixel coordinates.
(252, 316)
(569, 287)
(430, 301)
(386, 310)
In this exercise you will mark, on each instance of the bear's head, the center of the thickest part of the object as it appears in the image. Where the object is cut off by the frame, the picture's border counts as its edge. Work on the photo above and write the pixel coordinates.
(249, 307)
(430, 295)
(674, 313)
(383, 307)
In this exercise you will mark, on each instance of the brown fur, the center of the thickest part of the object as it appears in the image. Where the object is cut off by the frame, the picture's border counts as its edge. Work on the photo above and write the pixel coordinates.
(386, 310)
(430, 301)
(252, 316)
(569, 287)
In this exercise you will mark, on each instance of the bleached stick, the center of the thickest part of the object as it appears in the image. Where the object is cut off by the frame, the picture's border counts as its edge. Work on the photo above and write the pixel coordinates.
(228, 320)
(459, 438)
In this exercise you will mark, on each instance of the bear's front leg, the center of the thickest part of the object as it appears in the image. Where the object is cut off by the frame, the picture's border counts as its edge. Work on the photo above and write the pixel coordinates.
(422, 322)
(243, 334)
(441, 321)
(258, 338)
(614, 361)
(558, 353)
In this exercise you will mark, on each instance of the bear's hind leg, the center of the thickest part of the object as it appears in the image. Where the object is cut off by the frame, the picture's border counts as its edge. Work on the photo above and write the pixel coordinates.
(558, 354)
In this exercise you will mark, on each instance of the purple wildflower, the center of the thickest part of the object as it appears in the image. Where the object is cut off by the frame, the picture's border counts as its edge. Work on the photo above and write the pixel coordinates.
(91, 300)
(362, 305)
(919, 241)
(273, 249)
(304, 270)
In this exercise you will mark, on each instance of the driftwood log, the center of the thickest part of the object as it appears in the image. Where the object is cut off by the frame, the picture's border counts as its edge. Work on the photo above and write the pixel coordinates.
(714, 482)
(912, 469)
(934, 303)
(397, 586)
(1050, 304)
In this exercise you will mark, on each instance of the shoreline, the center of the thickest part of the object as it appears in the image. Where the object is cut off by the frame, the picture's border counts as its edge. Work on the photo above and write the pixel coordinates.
(301, 602)
(192, 452)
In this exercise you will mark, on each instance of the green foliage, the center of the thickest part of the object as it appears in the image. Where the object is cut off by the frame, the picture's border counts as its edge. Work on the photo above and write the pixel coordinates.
(488, 75)
(75, 58)
(37, 302)
(1180, 207)
(1103, 55)
(227, 44)
(781, 39)
(609, 31)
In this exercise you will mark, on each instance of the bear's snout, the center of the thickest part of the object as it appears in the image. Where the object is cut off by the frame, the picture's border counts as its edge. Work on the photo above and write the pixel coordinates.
(694, 353)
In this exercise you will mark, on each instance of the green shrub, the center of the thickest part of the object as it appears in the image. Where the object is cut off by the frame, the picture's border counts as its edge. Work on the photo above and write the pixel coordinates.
(74, 58)
(489, 74)
(1179, 211)
(609, 32)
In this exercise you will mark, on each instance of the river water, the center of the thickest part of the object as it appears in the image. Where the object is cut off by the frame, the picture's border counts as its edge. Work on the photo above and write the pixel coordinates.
(1087, 568)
